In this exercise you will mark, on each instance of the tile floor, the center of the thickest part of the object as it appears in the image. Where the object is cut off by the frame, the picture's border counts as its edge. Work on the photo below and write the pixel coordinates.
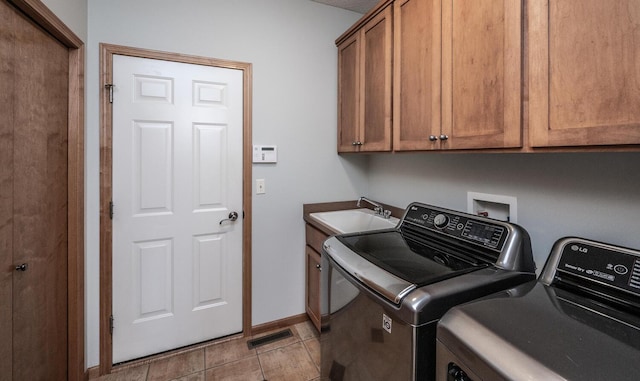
(295, 358)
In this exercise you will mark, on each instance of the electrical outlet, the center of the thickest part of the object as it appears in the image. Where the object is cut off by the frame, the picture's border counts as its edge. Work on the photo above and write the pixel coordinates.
(260, 186)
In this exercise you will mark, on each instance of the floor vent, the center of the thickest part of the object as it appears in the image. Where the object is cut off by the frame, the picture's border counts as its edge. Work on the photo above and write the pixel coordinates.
(269, 338)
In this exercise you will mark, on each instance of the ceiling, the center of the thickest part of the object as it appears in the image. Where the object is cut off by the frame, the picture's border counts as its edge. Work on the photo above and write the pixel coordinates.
(360, 6)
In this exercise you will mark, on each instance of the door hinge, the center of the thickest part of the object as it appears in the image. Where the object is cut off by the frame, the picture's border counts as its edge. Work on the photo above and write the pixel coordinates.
(109, 87)
(111, 210)
(111, 324)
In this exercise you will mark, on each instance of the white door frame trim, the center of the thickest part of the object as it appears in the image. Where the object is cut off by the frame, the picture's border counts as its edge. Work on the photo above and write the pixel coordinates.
(106, 77)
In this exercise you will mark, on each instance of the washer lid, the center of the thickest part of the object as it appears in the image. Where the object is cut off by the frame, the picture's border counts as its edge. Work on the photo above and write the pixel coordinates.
(414, 263)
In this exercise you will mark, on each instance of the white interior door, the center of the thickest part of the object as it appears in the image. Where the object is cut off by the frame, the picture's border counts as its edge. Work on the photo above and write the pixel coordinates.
(177, 175)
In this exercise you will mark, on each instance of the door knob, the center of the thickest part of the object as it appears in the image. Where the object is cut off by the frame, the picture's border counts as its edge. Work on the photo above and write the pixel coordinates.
(433, 138)
(444, 137)
(22, 267)
(232, 217)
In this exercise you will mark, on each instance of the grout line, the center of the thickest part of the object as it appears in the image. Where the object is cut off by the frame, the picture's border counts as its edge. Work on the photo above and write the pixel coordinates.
(261, 368)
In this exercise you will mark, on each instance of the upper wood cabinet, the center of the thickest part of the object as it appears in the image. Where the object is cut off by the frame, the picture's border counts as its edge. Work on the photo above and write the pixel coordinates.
(457, 74)
(481, 73)
(364, 86)
(584, 72)
(416, 74)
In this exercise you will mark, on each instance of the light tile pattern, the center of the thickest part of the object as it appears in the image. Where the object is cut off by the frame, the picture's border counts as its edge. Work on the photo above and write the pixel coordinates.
(295, 358)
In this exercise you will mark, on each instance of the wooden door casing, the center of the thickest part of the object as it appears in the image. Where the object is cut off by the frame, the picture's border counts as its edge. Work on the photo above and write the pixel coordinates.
(107, 52)
(584, 69)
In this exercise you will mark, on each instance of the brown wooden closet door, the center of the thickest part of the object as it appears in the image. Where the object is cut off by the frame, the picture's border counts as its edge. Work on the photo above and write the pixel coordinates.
(34, 214)
(6, 194)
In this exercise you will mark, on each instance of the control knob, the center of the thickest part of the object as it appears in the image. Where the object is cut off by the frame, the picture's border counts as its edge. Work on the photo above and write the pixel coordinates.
(441, 221)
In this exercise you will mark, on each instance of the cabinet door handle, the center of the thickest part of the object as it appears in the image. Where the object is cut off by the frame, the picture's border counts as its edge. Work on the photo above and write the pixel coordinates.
(358, 143)
(433, 138)
(319, 267)
(444, 137)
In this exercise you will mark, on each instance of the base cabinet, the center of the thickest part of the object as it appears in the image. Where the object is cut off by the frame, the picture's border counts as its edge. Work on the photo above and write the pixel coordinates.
(313, 250)
(313, 286)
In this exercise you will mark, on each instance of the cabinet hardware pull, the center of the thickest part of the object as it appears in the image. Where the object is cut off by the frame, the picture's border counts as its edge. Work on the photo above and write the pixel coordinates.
(319, 267)
(433, 138)
(444, 137)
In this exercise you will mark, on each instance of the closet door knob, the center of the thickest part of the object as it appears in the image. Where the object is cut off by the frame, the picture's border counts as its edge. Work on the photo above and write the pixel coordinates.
(22, 267)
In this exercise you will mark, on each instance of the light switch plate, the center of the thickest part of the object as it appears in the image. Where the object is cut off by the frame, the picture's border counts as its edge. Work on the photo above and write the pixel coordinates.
(260, 186)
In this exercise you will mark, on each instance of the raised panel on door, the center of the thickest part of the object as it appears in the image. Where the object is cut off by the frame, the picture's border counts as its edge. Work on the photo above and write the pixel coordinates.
(481, 73)
(38, 78)
(416, 77)
(348, 94)
(376, 83)
(584, 69)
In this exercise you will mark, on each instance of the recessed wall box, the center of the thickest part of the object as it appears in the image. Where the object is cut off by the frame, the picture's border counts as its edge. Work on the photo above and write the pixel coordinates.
(265, 154)
(494, 206)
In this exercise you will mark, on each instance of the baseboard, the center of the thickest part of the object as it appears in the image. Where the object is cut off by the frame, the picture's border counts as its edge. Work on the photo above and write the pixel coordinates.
(277, 324)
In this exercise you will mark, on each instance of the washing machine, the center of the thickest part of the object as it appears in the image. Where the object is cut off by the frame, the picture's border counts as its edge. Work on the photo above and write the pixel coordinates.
(579, 321)
(383, 291)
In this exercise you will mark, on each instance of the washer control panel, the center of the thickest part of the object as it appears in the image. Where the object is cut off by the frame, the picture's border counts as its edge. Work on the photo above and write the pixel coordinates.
(476, 230)
(602, 263)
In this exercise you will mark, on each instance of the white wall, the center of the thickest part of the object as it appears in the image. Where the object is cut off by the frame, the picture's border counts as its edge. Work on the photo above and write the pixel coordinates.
(593, 195)
(291, 46)
(73, 13)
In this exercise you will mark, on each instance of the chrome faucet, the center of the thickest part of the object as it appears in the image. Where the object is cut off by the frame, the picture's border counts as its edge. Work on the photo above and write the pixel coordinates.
(377, 208)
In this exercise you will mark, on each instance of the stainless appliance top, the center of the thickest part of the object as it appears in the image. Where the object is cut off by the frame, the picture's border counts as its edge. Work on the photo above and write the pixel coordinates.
(429, 247)
(580, 321)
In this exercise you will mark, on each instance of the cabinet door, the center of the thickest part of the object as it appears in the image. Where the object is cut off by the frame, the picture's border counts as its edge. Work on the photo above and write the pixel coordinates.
(416, 74)
(584, 69)
(348, 94)
(375, 110)
(481, 73)
(313, 286)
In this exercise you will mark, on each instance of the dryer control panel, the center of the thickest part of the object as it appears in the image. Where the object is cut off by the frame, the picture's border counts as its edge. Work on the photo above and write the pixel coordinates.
(602, 264)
